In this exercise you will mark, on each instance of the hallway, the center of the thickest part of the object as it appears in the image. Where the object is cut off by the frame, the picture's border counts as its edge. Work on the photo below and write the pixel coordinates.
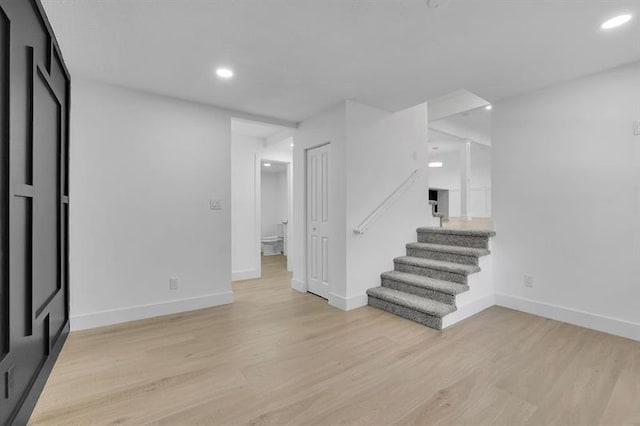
(277, 356)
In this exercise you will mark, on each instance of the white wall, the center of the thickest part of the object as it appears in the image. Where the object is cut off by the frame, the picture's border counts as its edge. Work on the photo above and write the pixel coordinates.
(478, 131)
(143, 169)
(383, 150)
(274, 201)
(245, 254)
(448, 177)
(372, 152)
(454, 103)
(566, 201)
(282, 197)
(246, 154)
(326, 127)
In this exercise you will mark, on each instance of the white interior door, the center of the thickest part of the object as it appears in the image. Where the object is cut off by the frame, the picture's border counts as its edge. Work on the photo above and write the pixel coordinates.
(318, 220)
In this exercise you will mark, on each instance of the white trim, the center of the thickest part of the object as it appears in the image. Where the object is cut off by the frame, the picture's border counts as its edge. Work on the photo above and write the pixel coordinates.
(348, 303)
(245, 274)
(299, 286)
(602, 323)
(470, 309)
(290, 232)
(132, 313)
(257, 212)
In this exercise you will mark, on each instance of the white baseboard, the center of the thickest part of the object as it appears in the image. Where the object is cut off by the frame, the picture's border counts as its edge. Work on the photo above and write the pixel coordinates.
(467, 310)
(116, 316)
(348, 303)
(602, 323)
(299, 286)
(246, 274)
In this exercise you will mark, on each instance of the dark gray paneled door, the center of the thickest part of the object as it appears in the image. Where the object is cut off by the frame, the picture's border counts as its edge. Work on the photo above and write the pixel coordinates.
(34, 135)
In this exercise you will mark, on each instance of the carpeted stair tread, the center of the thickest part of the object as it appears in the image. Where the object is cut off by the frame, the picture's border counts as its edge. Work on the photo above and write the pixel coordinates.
(465, 232)
(456, 268)
(425, 282)
(420, 304)
(465, 251)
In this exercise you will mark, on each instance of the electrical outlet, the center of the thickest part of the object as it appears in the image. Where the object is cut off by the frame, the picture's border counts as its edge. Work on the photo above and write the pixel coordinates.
(528, 281)
(174, 283)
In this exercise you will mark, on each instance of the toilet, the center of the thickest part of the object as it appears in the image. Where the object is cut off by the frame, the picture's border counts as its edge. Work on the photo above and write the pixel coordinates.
(273, 244)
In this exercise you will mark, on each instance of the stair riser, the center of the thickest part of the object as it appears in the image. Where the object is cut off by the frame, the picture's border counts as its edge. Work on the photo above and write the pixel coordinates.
(449, 299)
(410, 314)
(453, 240)
(431, 273)
(447, 257)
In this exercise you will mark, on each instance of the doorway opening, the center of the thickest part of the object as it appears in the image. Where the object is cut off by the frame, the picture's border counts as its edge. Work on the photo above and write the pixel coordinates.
(460, 164)
(275, 204)
(261, 197)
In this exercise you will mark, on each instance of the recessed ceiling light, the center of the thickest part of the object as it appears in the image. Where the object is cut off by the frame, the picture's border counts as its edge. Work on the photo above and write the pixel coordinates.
(435, 164)
(267, 164)
(291, 145)
(225, 73)
(616, 22)
(489, 107)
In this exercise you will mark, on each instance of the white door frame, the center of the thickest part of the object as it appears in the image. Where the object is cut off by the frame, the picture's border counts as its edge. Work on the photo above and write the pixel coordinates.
(257, 188)
(290, 214)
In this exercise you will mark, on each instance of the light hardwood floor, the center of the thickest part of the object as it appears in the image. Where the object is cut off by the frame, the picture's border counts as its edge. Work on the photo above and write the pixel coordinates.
(276, 356)
(475, 223)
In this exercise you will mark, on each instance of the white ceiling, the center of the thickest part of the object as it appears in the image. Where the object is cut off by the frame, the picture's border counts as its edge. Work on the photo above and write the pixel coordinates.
(478, 119)
(452, 159)
(276, 167)
(295, 58)
(442, 146)
(474, 125)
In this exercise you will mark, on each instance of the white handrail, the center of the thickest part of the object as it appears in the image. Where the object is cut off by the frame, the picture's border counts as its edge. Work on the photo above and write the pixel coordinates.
(404, 186)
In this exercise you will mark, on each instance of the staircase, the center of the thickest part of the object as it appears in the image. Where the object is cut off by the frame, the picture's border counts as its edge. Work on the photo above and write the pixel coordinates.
(424, 284)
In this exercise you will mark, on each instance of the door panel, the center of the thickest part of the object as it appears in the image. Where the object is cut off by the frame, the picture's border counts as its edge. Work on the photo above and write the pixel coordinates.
(318, 220)
(34, 85)
(4, 185)
(46, 176)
